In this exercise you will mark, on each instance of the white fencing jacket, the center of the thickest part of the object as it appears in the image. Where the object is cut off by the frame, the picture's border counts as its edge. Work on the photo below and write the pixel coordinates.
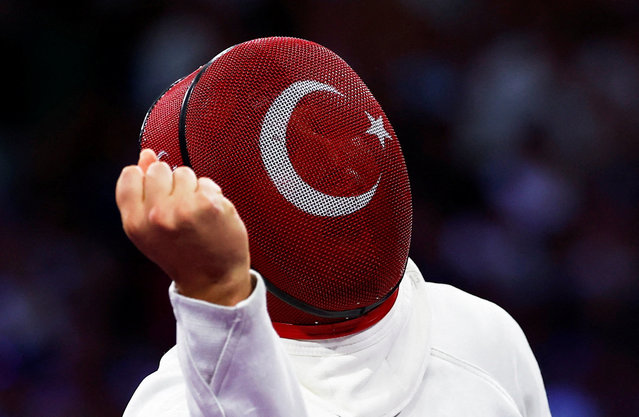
(438, 352)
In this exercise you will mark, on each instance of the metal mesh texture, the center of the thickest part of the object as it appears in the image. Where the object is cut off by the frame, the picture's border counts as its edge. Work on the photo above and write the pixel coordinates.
(302, 148)
(161, 124)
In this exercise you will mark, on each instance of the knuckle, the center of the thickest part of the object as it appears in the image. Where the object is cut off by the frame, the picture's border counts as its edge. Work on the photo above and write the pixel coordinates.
(184, 215)
(132, 226)
(129, 171)
(183, 171)
(226, 205)
(159, 219)
(153, 166)
(127, 177)
(133, 230)
(209, 204)
(158, 167)
(208, 184)
(229, 204)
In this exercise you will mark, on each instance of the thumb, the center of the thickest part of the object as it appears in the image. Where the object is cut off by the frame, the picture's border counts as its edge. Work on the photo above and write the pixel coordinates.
(147, 157)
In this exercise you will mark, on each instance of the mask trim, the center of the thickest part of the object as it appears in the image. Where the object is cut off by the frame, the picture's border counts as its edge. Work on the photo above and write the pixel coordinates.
(343, 314)
(182, 123)
(342, 328)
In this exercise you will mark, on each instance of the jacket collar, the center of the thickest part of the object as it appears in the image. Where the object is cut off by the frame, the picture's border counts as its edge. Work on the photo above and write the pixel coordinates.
(376, 371)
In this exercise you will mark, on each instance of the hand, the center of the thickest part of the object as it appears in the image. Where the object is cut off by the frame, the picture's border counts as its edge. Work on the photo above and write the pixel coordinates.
(186, 226)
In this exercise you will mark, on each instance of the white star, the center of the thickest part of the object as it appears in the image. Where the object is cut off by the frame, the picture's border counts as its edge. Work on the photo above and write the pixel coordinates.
(377, 128)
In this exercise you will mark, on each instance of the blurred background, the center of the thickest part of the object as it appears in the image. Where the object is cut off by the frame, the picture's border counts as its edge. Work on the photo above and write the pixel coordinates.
(520, 125)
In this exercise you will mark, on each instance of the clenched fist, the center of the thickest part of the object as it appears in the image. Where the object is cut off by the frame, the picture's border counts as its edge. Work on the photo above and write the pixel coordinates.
(186, 226)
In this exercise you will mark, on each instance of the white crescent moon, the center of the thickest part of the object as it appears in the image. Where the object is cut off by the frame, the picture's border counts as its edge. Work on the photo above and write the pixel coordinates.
(280, 169)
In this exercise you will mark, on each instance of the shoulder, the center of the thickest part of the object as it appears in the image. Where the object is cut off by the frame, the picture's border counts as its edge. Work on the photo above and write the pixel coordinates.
(459, 316)
(479, 337)
(468, 327)
(473, 329)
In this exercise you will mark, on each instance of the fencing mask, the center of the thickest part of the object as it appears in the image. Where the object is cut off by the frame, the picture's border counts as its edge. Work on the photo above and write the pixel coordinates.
(307, 156)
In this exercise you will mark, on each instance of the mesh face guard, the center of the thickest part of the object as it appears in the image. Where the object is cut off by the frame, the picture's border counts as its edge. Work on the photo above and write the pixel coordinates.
(302, 148)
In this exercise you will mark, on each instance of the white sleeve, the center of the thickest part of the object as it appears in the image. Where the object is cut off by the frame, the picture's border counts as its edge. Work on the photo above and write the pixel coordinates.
(231, 361)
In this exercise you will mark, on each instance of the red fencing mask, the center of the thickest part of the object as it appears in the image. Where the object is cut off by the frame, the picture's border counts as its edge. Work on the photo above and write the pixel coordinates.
(307, 156)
